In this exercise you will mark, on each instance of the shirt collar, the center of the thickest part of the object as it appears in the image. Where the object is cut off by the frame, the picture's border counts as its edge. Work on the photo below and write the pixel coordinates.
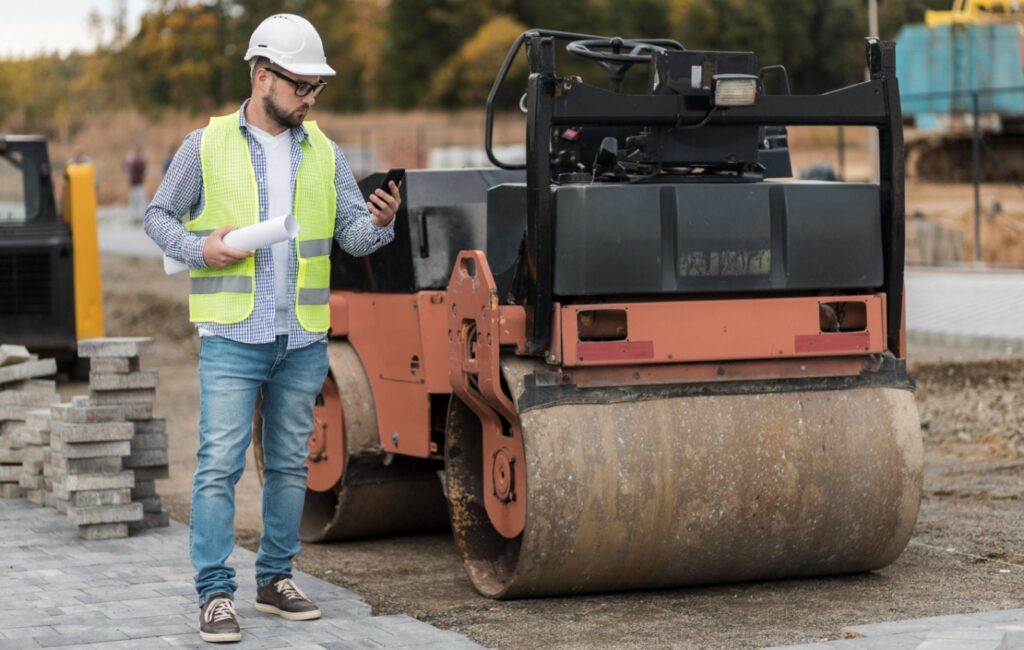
(299, 133)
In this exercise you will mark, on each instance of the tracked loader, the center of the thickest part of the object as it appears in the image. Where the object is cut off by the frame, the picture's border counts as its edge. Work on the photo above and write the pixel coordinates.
(644, 359)
(50, 290)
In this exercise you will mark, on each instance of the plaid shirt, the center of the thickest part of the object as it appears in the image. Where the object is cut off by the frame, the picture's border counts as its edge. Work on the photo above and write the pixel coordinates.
(181, 192)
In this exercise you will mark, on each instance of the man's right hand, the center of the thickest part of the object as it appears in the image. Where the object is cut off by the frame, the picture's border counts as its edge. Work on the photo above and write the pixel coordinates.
(217, 254)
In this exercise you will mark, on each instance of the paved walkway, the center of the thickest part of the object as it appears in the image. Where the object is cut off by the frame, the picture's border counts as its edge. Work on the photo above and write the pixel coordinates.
(1000, 630)
(57, 590)
(966, 308)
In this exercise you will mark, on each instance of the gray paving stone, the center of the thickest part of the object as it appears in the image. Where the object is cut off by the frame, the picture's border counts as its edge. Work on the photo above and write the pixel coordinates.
(28, 370)
(10, 473)
(101, 381)
(133, 396)
(43, 385)
(11, 354)
(146, 458)
(114, 364)
(68, 635)
(27, 632)
(109, 347)
(102, 465)
(150, 504)
(152, 425)
(151, 473)
(95, 449)
(85, 413)
(144, 441)
(99, 481)
(14, 411)
(28, 398)
(31, 436)
(11, 456)
(158, 519)
(84, 516)
(11, 491)
(144, 489)
(103, 531)
(18, 644)
(86, 498)
(74, 432)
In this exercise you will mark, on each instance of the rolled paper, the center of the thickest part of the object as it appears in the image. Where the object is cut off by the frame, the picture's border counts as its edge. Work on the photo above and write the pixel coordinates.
(264, 233)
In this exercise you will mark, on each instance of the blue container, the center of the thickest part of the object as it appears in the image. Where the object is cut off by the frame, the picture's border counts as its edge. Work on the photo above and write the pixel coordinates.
(939, 67)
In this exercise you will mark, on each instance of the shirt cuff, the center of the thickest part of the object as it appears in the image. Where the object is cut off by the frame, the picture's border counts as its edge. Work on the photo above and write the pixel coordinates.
(192, 250)
(388, 226)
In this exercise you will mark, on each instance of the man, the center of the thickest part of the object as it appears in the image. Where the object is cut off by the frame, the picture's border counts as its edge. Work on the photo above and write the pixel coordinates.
(262, 319)
(135, 169)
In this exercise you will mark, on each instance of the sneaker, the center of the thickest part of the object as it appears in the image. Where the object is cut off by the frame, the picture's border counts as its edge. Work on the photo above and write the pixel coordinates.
(282, 597)
(218, 622)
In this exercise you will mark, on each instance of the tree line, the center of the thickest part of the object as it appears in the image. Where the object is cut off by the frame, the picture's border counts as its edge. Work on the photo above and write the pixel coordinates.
(404, 54)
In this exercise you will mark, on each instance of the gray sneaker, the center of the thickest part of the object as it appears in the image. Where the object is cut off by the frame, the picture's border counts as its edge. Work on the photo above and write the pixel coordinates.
(282, 597)
(218, 622)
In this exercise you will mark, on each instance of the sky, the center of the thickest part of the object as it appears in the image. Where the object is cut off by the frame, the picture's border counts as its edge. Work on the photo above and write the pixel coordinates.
(30, 27)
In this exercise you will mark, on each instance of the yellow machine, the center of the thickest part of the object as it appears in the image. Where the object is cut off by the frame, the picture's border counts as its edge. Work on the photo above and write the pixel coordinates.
(966, 12)
(50, 289)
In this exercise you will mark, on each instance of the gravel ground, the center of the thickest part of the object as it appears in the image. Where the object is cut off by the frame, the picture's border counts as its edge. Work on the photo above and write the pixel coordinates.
(966, 555)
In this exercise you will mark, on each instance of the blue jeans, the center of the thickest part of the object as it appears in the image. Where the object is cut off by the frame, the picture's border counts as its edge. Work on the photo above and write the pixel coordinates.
(230, 376)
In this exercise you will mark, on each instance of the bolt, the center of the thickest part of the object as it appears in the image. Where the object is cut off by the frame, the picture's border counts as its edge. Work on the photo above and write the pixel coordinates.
(394, 438)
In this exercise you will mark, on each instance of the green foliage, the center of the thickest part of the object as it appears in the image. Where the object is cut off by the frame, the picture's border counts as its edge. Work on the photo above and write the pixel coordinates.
(466, 78)
(177, 56)
(409, 53)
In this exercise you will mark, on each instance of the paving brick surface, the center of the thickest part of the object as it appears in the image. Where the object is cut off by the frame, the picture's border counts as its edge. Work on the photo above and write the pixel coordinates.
(968, 309)
(997, 630)
(107, 348)
(58, 590)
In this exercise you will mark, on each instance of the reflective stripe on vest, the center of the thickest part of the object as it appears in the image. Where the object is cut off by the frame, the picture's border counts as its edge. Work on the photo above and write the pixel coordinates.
(226, 296)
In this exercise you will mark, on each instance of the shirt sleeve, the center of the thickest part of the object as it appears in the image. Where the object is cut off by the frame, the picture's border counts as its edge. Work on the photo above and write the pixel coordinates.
(179, 193)
(354, 229)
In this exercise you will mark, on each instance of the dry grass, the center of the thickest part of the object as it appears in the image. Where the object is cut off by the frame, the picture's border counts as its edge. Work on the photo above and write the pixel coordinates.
(400, 139)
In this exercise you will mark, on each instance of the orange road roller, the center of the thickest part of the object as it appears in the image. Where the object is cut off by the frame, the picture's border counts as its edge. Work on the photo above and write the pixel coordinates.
(644, 356)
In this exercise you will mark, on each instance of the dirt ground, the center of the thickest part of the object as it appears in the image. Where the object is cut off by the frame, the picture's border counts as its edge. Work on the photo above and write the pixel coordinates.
(966, 555)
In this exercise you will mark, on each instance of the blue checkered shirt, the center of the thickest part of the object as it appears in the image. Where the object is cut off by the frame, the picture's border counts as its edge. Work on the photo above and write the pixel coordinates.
(181, 192)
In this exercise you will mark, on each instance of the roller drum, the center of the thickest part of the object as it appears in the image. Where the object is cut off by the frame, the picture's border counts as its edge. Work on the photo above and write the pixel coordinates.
(377, 494)
(681, 491)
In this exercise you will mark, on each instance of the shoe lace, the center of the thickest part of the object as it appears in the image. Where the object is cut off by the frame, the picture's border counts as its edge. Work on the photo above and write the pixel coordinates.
(290, 590)
(222, 609)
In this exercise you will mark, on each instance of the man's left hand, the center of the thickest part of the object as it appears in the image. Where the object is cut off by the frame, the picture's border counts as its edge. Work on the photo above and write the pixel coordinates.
(384, 206)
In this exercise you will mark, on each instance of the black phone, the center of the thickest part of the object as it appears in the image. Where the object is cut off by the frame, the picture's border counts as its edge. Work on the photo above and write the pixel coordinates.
(396, 174)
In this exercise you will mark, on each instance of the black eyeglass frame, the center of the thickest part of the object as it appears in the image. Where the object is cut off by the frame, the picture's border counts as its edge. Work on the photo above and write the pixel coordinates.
(301, 87)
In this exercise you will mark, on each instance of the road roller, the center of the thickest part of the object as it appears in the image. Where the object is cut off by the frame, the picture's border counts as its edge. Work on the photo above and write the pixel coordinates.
(646, 356)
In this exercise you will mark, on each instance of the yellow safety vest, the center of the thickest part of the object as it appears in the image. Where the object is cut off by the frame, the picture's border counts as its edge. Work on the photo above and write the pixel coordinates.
(226, 295)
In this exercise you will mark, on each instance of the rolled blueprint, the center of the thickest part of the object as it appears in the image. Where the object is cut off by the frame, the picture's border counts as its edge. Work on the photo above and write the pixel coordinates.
(264, 233)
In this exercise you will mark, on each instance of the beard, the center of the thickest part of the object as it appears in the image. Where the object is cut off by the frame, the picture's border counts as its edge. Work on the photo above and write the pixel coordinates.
(281, 116)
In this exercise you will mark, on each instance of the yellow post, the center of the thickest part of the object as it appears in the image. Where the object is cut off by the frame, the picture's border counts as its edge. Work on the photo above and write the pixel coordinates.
(80, 213)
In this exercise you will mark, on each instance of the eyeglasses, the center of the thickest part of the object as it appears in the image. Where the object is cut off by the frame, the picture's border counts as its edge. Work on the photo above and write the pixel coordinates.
(301, 87)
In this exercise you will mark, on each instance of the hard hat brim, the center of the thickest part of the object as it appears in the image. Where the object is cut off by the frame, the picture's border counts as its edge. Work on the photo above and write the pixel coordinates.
(310, 69)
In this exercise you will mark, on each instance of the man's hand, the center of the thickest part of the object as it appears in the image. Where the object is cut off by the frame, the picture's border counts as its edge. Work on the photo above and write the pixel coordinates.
(217, 254)
(384, 206)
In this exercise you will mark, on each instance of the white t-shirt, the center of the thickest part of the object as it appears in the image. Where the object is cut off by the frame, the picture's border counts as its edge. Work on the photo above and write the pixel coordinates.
(277, 151)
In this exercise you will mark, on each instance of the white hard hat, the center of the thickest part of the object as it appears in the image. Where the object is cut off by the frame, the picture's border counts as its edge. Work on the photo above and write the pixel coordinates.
(291, 42)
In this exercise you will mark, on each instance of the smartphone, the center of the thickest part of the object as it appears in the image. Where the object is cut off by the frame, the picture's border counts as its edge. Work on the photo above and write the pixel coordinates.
(396, 174)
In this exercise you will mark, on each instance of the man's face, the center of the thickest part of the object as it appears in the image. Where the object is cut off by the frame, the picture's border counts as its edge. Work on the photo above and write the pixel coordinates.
(279, 99)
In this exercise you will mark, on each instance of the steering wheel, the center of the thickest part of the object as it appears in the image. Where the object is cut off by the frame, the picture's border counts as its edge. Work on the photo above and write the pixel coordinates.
(639, 51)
(609, 53)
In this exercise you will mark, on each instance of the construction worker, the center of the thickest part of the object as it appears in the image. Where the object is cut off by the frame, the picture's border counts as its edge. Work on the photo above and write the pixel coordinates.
(263, 317)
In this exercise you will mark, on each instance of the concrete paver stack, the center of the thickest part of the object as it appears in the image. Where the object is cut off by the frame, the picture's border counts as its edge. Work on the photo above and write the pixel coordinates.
(21, 392)
(34, 439)
(117, 380)
(88, 479)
